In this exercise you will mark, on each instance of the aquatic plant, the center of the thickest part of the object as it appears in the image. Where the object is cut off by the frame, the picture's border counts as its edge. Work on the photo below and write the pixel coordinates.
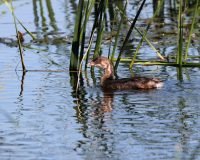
(77, 37)
(83, 12)
(195, 14)
(129, 33)
(19, 35)
(99, 9)
(161, 3)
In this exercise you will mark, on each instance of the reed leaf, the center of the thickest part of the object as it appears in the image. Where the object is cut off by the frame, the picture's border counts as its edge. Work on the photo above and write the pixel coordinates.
(76, 39)
(95, 24)
(118, 31)
(83, 31)
(80, 65)
(154, 62)
(87, 12)
(128, 34)
(144, 36)
(100, 27)
(191, 30)
(11, 10)
(179, 55)
(29, 33)
(19, 41)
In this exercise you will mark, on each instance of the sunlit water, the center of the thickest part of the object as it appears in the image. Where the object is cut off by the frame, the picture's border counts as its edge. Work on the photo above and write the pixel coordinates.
(42, 118)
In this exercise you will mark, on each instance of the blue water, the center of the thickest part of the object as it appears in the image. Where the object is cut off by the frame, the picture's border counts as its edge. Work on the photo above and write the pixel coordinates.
(41, 117)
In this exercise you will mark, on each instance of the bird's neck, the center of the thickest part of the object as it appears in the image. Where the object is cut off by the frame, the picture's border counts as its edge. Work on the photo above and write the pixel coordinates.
(108, 74)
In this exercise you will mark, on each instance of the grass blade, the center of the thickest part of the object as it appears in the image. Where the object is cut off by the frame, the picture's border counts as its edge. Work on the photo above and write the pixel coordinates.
(100, 27)
(88, 10)
(180, 35)
(128, 34)
(161, 3)
(95, 24)
(19, 40)
(11, 10)
(76, 40)
(118, 31)
(191, 30)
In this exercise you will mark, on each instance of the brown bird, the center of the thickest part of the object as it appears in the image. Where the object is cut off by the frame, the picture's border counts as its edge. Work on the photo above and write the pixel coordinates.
(109, 83)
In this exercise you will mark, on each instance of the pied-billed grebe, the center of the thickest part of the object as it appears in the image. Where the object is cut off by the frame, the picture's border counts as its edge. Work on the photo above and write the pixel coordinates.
(108, 81)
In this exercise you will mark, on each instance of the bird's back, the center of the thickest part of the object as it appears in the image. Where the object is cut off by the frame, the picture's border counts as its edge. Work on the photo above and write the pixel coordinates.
(132, 83)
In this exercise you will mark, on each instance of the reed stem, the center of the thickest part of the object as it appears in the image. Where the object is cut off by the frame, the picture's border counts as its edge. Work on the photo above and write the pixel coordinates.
(128, 34)
(179, 56)
(144, 36)
(19, 40)
(76, 40)
(191, 30)
(118, 31)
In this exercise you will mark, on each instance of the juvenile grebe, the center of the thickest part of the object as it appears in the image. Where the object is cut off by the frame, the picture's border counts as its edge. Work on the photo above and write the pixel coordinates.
(108, 81)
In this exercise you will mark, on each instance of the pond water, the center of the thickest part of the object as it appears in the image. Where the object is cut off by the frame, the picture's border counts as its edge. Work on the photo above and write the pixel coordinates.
(42, 118)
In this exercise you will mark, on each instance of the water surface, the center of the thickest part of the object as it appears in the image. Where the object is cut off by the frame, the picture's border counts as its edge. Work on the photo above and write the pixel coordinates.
(42, 117)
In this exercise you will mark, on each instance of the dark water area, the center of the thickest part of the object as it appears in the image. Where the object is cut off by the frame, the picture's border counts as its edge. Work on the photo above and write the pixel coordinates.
(41, 117)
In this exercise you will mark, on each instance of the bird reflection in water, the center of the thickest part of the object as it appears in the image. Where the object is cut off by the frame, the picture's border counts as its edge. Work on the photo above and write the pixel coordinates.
(107, 102)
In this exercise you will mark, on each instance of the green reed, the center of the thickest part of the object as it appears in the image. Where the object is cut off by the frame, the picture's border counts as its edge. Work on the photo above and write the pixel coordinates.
(80, 29)
(118, 31)
(161, 4)
(179, 55)
(18, 39)
(77, 37)
(9, 5)
(99, 8)
(100, 27)
(128, 34)
(19, 35)
(191, 29)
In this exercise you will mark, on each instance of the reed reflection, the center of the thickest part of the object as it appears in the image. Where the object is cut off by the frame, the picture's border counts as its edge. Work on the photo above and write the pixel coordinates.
(93, 114)
(22, 83)
(79, 96)
(39, 13)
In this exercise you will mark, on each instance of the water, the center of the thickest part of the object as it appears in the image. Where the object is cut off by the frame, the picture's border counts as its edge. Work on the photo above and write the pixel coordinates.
(42, 118)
